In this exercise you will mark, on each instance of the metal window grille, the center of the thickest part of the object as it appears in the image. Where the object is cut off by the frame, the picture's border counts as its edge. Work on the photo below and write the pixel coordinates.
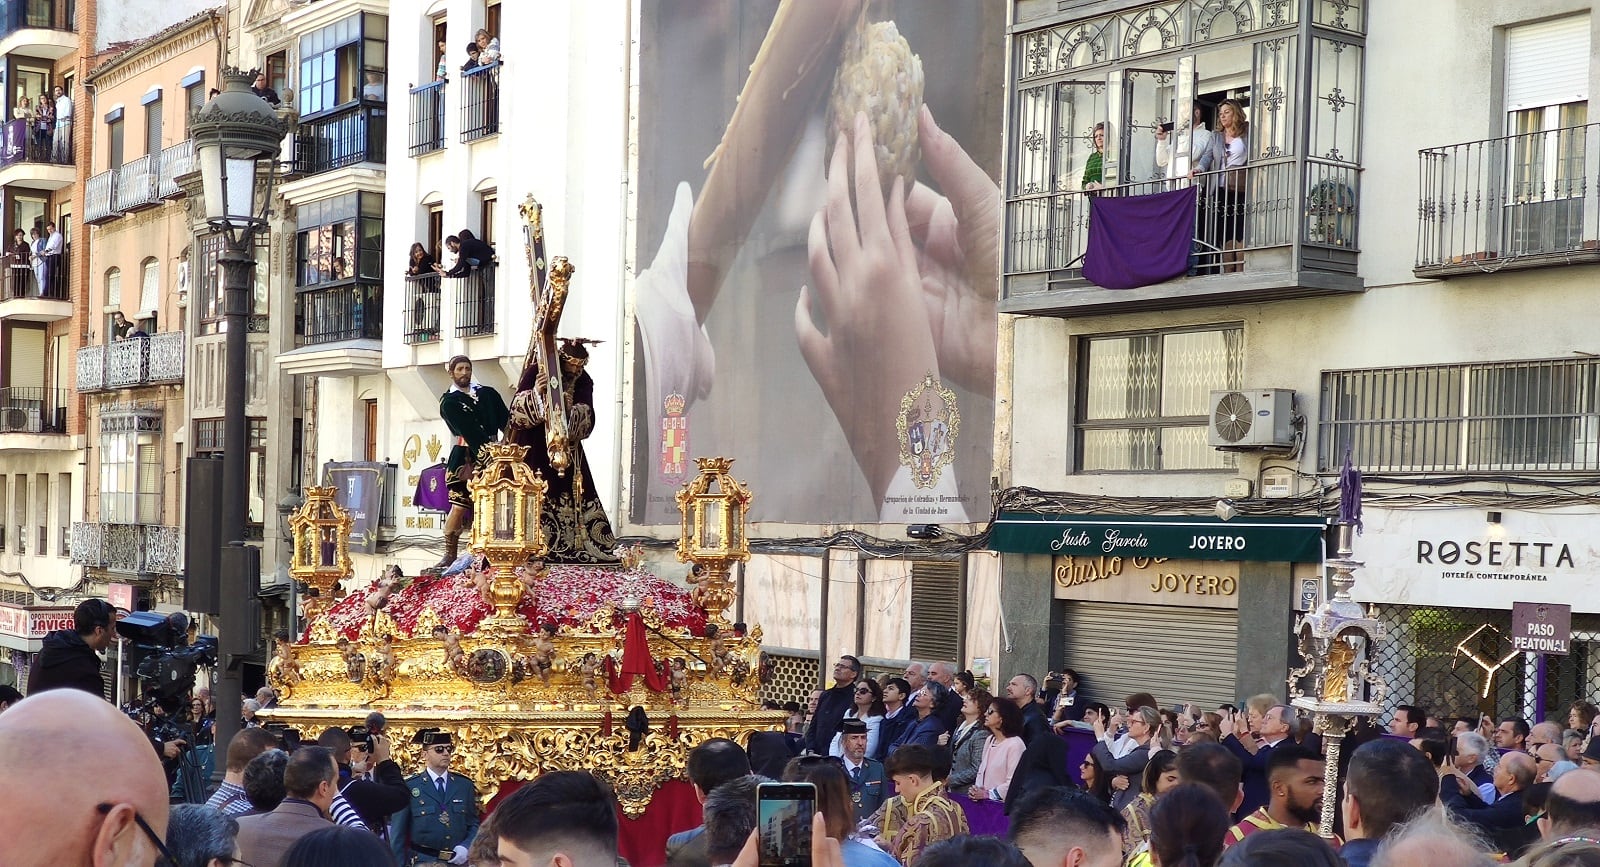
(427, 118)
(422, 308)
(1144, 400)
(1525, 416)
(480, 104)
(793, 678)
(475, 302)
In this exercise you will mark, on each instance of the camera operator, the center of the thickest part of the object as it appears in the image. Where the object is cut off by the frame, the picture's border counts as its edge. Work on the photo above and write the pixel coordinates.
(169, 737)
(371, 784)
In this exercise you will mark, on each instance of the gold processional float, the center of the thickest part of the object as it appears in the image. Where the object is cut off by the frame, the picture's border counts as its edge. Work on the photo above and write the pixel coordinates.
(531, 667)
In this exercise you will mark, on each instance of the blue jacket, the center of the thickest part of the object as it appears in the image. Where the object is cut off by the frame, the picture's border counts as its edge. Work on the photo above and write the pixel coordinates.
(925, 732)
(890, 729)
(431, 825)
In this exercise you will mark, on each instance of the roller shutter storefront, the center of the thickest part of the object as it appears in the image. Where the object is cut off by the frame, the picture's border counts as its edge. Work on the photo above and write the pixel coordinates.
(1176, 654)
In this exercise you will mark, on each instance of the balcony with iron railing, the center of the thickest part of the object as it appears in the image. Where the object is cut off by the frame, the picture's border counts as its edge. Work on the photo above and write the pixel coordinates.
(39, 28)
(352, 310)
(174, 162)
(474, 294)
(422, 307)
(341, 138)
(132, 362)
(129, 548)
(480, 102)
(38, 288)
(29, 157)
(31, 417)
(137, 180)
(100, 198)
(1517, 201)
(426, 127)
(1273, 229)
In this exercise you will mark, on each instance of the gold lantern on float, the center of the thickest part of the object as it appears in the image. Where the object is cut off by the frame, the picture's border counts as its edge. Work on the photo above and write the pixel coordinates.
(321, 554)
(507, 501)
(713, 538)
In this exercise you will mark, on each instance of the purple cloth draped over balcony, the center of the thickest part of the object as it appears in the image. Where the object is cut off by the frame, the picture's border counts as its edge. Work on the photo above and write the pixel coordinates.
(1139, 240)
(984, 818)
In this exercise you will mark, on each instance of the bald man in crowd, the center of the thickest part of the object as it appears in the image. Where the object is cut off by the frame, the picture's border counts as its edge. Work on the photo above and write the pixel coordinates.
(111, 812)
(1573, 808)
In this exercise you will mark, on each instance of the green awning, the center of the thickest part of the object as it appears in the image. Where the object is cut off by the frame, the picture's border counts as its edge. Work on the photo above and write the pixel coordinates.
(1291, 539)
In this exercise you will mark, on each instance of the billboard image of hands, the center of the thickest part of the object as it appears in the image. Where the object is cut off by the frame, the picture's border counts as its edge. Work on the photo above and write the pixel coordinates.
(818, 223)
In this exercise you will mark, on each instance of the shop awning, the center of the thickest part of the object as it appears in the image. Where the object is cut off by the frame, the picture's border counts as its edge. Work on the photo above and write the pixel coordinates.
(1291, 539)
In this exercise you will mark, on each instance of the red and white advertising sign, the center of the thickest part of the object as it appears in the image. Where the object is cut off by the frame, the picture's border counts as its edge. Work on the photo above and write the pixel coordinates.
(34, 623)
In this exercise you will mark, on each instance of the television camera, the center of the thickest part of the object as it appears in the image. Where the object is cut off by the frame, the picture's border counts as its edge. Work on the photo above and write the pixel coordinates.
(161, 655)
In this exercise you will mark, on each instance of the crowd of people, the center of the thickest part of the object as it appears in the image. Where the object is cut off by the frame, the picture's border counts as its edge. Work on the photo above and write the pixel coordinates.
(923, 768)
(34, 262)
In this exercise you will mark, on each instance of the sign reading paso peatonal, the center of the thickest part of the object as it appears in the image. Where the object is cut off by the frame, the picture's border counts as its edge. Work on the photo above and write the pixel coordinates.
(1541, 627)
(1258, 539)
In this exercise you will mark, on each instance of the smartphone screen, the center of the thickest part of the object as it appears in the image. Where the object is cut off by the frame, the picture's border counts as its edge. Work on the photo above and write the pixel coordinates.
(783, 818)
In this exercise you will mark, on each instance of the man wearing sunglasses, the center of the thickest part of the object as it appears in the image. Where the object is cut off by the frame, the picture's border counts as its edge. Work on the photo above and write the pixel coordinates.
(442, 818)
(112, 816)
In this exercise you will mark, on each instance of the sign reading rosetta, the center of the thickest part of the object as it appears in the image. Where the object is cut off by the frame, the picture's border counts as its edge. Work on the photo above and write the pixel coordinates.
(1458, 557)
(1257, 539)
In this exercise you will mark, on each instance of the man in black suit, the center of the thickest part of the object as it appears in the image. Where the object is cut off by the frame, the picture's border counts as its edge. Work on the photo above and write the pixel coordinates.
(1024, 690)
(948, 709)
(1255, 748)
(1503, 821)
(475, 414)
(833, 705)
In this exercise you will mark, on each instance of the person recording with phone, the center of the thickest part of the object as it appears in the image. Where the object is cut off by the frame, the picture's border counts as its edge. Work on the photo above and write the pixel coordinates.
(371, 786)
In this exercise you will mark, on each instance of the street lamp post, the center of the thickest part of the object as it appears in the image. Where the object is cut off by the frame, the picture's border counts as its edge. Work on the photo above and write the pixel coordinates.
(236, 139)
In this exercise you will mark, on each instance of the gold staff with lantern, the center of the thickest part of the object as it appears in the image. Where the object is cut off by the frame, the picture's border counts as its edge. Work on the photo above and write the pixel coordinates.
(714, 504)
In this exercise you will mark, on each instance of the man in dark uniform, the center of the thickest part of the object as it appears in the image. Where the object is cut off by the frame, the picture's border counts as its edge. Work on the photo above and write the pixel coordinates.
(867, 779)
(442, 819)
(476, 414)
(68, 658)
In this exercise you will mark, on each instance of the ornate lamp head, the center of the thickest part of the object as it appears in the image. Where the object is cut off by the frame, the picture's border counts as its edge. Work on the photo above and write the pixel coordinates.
(507, 499)
(714, 505)
(321, 534)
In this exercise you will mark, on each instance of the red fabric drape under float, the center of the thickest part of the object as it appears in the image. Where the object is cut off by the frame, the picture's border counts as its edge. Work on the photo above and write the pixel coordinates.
(643, 841)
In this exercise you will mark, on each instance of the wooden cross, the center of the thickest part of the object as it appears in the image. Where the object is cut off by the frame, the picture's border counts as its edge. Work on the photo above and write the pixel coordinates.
(549, 300)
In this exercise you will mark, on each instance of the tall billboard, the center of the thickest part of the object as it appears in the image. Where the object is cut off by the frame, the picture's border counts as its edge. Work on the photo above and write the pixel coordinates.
(818, 207)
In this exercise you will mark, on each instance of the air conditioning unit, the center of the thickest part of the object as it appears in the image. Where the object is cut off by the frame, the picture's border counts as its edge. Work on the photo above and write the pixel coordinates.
(16, 419)
(1252, 418)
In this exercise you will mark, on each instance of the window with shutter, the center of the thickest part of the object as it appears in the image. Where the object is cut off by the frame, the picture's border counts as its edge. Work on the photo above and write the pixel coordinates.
(936, 609)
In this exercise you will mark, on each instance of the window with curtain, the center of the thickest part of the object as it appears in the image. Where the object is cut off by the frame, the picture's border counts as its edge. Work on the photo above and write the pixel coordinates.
(334, 60)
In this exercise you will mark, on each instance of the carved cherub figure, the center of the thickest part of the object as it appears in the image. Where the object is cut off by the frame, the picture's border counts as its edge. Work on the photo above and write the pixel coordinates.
(285, 670)
(479, 577)
(680, 678)
(529, 575)
(383, 664)
(454, 656)
(590, 669)
(544, 652)
(719, 650)
(355, 664)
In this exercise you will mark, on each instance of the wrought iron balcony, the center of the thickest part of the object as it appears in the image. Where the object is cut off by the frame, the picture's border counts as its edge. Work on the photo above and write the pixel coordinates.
(34, 410)
(137, 180)
(422, 307)
(133, 362)
(427, 118)
(480, 102)
(328, 314)
(474, 295)
(342, 138)
(1297, 224)
(176, 161)
(21, 142)
(131, 548)
(23, 279)
(100, 198)
(1518, 201)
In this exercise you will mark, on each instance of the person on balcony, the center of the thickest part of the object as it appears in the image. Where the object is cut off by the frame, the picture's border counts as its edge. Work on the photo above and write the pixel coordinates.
(1094, 168)
(24, 113)
(373, 90)
(1205, 147)
(425, 312)
(54, 246)
(260, 88)
(488, 47)
(1231, 187)
(36, 258)
(20, 264)
(471, 253)
(61, 141)
(121, 328)
(44, 122)
(474, 57)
